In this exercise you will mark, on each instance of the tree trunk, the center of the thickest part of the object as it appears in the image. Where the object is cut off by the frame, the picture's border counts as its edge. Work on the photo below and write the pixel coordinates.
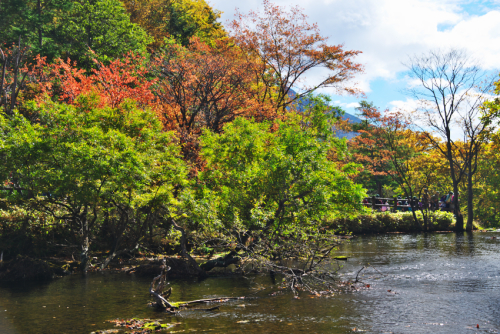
(470, 205)
(425, 209)
(84, 255)
(414, 212)
(39, 10)
(426, 219)
(185, 253)
(459, 225)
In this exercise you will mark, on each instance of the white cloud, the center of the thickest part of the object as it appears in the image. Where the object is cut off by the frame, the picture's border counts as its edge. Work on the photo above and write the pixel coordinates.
(387, 31)
(407, 106)
(352, 105)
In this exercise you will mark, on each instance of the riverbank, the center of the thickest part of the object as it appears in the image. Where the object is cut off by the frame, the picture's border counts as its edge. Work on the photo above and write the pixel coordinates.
(385, 222)
(24, 268)
(46, 268)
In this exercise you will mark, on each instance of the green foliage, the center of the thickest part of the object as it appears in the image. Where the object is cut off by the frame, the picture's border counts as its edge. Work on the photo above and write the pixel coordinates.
(36, 22)
(190, 18)
(104, 27)
(89, 166)
(277, 183)
(63, 28)
(176, 20)
(23, 231)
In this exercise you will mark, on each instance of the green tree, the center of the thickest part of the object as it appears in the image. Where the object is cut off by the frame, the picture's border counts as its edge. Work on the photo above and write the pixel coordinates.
(104, 27)
(37, 23)
(274, 190)
(190, 18)
(64, 28)
(178, 19)
(92, 167)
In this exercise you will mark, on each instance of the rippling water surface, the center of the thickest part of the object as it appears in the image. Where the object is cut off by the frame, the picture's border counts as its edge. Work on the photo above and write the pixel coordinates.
(440, 283)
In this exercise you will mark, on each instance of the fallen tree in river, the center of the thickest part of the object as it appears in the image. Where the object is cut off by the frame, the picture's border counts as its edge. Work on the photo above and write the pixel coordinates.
(160, 294)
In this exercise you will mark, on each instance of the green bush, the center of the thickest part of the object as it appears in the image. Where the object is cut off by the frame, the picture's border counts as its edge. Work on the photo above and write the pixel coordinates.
(383, 222)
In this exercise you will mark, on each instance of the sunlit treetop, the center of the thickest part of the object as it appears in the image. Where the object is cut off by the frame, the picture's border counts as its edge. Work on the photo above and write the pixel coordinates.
(177, 19)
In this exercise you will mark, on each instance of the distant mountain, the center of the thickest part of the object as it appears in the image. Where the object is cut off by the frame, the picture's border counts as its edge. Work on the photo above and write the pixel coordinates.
(304, 103)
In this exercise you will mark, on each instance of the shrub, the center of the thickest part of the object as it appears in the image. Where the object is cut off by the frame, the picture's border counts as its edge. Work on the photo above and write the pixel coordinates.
(383, 222)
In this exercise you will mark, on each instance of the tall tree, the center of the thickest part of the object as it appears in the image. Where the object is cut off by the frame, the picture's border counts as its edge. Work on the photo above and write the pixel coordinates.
(201, 86)
(104, 27)
(36, 22)
(178, 19)
(67, 28)
(388, 147)
(288, 48)
(369, 151)
(489, 176)
(12, 75)
(274, 189)
(452, 88)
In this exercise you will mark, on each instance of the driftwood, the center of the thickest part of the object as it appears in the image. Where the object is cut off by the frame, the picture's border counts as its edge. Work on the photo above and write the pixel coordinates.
(209, 300)
(160, 294)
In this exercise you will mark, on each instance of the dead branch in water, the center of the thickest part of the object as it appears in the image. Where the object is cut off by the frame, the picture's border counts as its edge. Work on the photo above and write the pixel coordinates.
(161, 294)
(209, 300)
(360, 270)
(158, 292)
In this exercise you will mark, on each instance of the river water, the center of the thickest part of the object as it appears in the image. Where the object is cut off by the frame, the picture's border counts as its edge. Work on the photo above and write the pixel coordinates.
(439, 283)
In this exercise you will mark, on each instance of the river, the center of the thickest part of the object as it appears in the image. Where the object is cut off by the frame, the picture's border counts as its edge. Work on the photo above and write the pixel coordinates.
(439, 283)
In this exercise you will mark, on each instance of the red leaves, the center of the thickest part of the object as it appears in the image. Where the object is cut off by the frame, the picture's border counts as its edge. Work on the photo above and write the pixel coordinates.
(201, 86)
(114, 83)
(204, 86)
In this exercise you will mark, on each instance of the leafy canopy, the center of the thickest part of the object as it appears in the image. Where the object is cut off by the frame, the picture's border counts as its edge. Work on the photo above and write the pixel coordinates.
(275, 184)
(82, 163)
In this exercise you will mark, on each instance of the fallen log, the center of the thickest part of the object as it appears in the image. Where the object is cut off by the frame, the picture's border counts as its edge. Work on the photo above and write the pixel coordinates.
(208, 300)
(160, 294)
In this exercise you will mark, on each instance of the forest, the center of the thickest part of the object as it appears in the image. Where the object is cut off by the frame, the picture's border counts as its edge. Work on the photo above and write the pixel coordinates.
(148, 126)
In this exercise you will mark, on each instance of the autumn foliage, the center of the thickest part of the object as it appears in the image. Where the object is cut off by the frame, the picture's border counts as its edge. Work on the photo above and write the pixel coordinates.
(200, 86)
(122, 79)
(287, 48)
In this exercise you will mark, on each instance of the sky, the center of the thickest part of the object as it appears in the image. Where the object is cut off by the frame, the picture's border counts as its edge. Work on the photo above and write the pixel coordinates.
(389, 31)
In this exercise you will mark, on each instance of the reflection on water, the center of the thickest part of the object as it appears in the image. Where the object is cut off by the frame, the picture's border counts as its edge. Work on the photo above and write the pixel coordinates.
(440, 283)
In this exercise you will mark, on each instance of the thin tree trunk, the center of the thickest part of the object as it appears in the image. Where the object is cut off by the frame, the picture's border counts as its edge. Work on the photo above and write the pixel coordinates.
(185, 253)
(2, 79)
(470, 205)
(459, 226)
(84, 255)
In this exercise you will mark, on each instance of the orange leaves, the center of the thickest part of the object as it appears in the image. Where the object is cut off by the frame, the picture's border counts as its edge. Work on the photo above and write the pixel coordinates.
(288, 47)
(203, 86)
(114, 83)
(200, 86)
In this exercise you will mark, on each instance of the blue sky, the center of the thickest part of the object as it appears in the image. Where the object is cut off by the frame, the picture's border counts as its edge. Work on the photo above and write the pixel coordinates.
(388, 31)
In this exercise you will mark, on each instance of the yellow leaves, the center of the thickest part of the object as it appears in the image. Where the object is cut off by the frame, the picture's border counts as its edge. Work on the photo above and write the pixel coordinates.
(163, 19)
